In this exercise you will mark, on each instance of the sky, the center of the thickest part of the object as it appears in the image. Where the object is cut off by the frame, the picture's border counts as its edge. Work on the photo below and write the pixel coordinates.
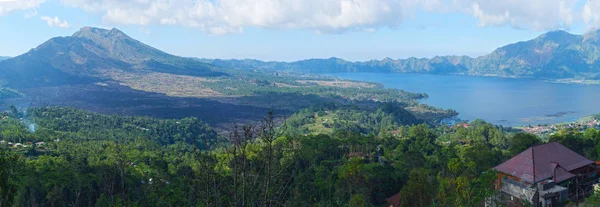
(288, 30)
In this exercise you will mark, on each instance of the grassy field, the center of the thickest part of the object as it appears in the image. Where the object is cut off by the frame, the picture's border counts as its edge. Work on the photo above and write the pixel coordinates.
(319, 127)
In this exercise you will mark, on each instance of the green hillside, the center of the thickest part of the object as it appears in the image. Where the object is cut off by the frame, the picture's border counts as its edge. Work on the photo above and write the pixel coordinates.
(68, 157)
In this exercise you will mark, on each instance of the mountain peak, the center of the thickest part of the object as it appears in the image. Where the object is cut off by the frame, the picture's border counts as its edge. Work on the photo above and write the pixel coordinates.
(557, 33)
(86, 31)
(94, 33)
(558, 36)
(117, 45)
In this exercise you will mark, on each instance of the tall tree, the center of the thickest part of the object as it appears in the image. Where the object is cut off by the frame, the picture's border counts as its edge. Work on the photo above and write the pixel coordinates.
(521, 141)
(420, 189)
(8, 184)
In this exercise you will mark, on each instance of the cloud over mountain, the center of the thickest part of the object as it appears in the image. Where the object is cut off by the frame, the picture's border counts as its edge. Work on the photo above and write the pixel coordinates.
(524, 14)
(326, 16)
(591, 14)
(231, 16)
(55, 22)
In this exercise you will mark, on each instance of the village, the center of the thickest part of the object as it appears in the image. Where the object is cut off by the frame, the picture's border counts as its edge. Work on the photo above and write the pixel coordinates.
(546, 130)
(17, 145)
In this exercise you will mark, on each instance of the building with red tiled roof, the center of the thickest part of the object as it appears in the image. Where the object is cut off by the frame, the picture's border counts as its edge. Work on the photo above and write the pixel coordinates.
(534, 174)
(541, 162)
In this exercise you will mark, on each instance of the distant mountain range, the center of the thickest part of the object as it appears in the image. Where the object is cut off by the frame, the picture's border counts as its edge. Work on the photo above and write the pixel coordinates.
(82, 57)
(553, 55)
(4, 58)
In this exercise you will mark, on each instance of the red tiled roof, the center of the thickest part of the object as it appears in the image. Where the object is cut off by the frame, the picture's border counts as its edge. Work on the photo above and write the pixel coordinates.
(560, 174)
(394, 200)
(542, 162)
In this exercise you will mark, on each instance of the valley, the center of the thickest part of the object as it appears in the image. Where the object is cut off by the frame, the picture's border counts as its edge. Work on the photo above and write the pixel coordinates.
(107, 71)
(218, 101)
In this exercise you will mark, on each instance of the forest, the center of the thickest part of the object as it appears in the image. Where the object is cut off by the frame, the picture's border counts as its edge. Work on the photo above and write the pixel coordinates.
(68, 157)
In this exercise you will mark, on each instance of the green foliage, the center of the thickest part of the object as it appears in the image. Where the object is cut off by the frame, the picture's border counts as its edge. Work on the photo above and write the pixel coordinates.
(331, 118)
(585, 143)
(8, 183)
(480, 131)
(86, 125)
(593, 200)
(520, 142)
(420, 188)
(97, 160)
(596, 116)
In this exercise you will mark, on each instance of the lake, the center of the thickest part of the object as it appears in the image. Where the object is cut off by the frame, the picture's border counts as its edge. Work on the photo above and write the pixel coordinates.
(502, 101)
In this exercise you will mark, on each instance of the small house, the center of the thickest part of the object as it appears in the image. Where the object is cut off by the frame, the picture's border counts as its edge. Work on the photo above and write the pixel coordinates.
(545, 175)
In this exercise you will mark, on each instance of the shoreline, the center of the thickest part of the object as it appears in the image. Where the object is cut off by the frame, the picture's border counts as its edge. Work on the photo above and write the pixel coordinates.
(575, 81)
(557, 81)
(545, 130)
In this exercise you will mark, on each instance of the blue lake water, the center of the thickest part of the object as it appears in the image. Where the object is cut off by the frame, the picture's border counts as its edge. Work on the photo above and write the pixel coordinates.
(502, 101)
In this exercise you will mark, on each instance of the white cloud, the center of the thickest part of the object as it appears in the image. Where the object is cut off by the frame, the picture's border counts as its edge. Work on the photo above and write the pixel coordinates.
(231, 16)
(55, 22)
(524, 14)
(331, 16)
(7, 6)
(591, 14)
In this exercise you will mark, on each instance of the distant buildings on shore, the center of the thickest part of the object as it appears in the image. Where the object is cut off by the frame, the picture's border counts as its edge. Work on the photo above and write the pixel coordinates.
(544, 130)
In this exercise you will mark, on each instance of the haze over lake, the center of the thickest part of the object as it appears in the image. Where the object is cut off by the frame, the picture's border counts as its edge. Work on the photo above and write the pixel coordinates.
(502, 101)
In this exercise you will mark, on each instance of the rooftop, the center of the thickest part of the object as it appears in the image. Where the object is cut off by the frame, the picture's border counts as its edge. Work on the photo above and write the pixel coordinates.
(544, 161)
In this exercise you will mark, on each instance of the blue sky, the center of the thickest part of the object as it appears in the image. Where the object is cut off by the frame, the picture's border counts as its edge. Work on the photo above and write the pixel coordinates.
(299, 29)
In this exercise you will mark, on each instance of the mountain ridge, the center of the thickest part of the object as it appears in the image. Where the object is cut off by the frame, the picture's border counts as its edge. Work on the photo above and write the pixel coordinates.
(552, 55)
(82, 58)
